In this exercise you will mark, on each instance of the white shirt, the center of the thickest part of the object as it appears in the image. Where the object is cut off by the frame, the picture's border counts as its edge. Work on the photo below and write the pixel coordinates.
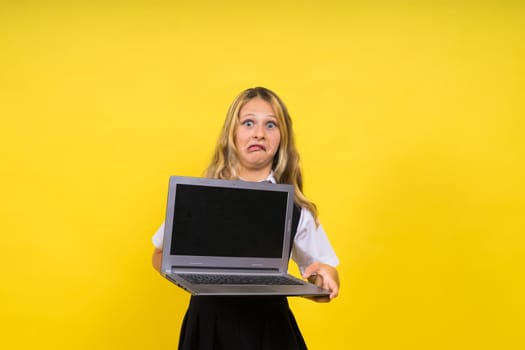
(310, 244)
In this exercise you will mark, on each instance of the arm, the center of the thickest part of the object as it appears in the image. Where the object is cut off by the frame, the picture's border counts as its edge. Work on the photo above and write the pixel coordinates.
(157, 240)
(315, 256)
(324, 276)
(156, 259)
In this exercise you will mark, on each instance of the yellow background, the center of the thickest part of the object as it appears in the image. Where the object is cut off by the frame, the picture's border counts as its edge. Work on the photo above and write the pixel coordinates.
(409, 119)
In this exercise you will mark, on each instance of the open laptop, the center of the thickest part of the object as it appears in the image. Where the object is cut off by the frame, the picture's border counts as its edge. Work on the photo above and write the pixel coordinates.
(225, 237)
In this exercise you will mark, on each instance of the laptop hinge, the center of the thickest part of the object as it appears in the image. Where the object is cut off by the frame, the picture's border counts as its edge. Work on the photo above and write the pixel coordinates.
(224, 269)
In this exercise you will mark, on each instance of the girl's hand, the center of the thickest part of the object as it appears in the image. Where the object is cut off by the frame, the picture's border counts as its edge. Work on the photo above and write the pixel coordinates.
(324, 276)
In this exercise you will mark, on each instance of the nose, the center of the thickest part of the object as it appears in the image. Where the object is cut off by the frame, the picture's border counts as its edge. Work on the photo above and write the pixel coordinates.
(259, 132)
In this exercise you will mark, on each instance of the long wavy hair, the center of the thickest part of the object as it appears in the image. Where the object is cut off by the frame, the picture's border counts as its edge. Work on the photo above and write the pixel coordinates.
(225, 160)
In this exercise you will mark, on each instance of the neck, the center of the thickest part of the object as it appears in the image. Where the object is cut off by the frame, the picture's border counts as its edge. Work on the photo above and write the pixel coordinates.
(254, 175)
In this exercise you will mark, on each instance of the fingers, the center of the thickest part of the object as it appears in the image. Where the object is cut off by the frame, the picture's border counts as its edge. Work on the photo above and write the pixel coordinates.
(320, 299)
(333, 288)
(311, 270)
(325, 277)
(328, 283)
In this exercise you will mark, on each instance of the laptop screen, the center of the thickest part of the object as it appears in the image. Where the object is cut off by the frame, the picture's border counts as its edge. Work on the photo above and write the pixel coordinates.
(228, 222)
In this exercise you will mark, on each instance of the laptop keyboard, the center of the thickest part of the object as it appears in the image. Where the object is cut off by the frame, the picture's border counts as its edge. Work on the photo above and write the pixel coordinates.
(238, 279)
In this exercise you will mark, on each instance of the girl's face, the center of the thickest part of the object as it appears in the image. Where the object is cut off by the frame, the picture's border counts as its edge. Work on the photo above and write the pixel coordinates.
(257, 137)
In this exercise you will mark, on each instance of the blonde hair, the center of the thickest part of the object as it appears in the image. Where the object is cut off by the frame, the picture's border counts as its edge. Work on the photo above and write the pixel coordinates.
(286, 161)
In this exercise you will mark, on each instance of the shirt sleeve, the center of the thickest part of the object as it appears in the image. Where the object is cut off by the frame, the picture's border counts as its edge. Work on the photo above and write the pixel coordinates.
(311, 243)
(158, 237)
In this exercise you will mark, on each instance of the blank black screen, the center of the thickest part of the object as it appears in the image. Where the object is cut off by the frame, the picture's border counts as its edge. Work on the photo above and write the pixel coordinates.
(228, 222)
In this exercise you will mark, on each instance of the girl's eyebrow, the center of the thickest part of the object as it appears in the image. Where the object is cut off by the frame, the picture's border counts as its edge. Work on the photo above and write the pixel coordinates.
(250, 114)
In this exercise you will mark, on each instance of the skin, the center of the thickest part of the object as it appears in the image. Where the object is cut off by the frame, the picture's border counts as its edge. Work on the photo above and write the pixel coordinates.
(324, 276)
(257, 139)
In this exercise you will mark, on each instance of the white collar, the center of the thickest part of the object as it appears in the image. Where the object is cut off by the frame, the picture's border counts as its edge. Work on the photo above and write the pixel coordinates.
(271, 178)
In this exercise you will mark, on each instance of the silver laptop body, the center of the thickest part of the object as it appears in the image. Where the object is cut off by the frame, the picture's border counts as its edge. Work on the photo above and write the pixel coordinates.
(225, 237)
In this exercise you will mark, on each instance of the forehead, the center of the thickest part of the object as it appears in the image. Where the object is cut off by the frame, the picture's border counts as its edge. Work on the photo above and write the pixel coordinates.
(257, 106)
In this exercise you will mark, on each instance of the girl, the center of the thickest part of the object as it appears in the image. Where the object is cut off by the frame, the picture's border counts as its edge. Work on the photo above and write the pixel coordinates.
(257, 144)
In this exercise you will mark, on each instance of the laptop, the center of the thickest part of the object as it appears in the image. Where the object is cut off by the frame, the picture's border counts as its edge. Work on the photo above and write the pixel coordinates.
(230, 237)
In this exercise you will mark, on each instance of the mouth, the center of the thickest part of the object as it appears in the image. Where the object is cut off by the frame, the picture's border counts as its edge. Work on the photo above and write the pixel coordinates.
(255, 148)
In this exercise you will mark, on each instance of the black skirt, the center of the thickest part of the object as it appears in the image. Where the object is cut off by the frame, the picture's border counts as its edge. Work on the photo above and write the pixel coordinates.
(239, 323)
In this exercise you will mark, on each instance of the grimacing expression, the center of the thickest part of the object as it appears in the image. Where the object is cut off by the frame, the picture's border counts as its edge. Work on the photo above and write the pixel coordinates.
(257, 137)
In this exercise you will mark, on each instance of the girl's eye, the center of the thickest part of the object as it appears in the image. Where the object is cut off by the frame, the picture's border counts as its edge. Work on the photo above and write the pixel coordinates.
(271, 125)
(247, 123)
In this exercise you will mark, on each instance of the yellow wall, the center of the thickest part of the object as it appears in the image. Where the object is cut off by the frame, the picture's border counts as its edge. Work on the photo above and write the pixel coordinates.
(409, 119)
